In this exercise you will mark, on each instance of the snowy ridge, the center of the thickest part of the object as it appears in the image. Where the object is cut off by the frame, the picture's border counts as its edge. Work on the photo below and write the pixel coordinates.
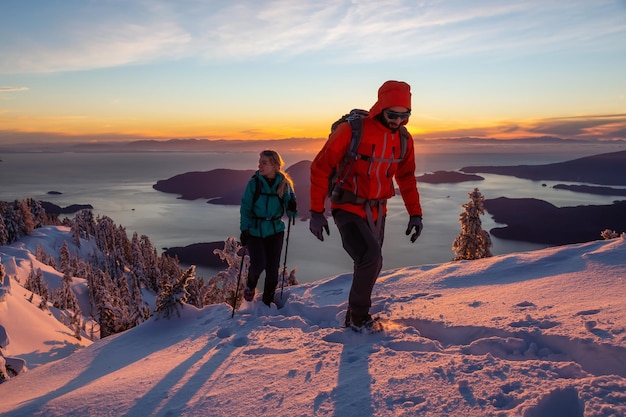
(533, 334)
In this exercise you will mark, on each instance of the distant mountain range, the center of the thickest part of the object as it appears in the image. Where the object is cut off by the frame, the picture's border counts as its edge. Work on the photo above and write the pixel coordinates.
(243, 145)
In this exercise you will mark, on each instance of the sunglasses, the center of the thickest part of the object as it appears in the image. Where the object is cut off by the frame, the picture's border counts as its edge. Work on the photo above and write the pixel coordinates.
(392, 115)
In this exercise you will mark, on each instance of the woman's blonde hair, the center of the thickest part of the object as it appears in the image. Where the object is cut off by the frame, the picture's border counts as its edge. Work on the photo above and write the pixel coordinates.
(277, 161)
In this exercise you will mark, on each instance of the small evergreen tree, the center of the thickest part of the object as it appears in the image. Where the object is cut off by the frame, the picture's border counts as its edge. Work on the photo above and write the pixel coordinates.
(173, 295)
(35, 282)
(4, 235)
(65, 298)
(473, 242)
(223, 286)
(65, 259)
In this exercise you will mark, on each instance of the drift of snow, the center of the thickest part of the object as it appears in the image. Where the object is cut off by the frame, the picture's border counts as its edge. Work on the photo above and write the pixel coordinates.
(535, 334)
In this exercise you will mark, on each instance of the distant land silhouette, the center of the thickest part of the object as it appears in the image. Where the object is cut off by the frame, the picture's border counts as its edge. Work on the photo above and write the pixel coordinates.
(200, 254)
(52, 208)
(448, 177)
(537, 221)
(590, 189)
(602, 169)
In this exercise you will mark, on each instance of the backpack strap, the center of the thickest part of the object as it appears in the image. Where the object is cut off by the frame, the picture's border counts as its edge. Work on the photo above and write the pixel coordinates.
(257, 193)
(339, 176)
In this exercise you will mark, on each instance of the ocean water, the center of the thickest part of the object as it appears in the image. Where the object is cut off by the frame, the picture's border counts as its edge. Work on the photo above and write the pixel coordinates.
(119, 185)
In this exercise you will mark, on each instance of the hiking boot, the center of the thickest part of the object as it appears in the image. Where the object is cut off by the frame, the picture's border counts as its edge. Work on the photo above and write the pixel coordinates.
(268, 298)
(248, 294)
(367, 325)
(354, 319)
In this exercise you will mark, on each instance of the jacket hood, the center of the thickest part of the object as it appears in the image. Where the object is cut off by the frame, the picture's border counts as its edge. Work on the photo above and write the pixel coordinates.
(391, 94)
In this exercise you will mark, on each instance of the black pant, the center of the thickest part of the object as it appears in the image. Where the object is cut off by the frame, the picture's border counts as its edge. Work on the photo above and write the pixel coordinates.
(364, 246)
(265, 255)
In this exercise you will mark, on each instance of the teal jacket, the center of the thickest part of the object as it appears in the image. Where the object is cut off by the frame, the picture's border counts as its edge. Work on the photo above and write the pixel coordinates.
(263, 217)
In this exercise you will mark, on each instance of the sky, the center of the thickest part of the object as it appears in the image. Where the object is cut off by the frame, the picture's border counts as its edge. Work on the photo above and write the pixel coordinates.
(111, 70)
(534, 334)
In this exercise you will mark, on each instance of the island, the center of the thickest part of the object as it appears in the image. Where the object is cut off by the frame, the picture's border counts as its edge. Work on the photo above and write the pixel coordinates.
(590, 189)
(200, 254)
(448, 177)
(52, 208)
(537, 221)
(602, 169)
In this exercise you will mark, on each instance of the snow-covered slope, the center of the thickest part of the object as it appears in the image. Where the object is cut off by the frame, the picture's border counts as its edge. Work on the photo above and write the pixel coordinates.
(534, 334)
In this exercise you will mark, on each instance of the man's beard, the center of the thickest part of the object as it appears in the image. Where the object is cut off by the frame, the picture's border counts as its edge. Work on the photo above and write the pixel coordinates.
(393, 126)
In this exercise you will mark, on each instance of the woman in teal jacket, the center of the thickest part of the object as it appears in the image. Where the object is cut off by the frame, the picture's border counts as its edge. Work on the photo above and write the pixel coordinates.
(268, 196)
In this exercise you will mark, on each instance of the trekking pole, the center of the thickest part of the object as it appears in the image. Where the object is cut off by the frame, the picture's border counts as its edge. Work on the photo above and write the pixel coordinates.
(243, 256)
(282, 283)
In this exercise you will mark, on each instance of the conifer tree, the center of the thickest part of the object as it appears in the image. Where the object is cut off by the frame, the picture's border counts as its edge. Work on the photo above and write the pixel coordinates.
(197, 292)
(35, 282)
(4, 235)
(65, 298)
(140, 311)
(65, 259)
(223, 286)
(11, 222)
(39, 214)
(26, 221)
(75, 233)
(173, 295)
(473, 242)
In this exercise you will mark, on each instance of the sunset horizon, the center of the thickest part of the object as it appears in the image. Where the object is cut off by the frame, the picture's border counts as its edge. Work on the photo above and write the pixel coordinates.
(249, 70)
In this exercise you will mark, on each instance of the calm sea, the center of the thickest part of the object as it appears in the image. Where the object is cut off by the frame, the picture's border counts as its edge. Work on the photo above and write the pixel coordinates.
(119, 185)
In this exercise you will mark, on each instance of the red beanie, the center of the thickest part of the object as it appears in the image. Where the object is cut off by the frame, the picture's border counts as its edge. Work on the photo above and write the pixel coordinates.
(392, 94)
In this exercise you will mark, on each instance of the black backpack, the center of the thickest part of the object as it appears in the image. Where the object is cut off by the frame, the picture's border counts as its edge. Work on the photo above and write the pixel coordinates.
(339, 175)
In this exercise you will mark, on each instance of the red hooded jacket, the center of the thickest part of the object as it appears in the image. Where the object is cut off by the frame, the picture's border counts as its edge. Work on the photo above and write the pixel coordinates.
(370, 178)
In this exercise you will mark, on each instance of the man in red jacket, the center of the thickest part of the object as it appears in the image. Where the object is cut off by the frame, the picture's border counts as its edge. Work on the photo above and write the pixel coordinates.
(359, 202)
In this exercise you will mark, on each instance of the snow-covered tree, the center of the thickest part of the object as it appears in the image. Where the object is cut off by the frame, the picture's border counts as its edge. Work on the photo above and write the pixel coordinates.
(174, 295)
(64, 297)
(139, 311)
(35, 282)
(65, 259)
(473, 242)
(39, 215)
(25, 216)
(4, 235)
(12, 222)
(609, 234)
(196, 292)
(76, 324)
(223, 286)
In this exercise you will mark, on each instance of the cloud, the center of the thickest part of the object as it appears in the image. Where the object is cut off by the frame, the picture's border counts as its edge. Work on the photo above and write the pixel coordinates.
(85, 35)
(12, 89)
(594, 127)
(607, 126)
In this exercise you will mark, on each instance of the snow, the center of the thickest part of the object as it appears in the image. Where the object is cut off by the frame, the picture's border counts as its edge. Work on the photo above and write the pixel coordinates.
(535, 334)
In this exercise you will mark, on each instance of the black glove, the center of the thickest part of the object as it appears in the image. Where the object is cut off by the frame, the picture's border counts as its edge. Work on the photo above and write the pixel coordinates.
(318, 224)
(292, 210)
(245, 236)
(415, 223)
